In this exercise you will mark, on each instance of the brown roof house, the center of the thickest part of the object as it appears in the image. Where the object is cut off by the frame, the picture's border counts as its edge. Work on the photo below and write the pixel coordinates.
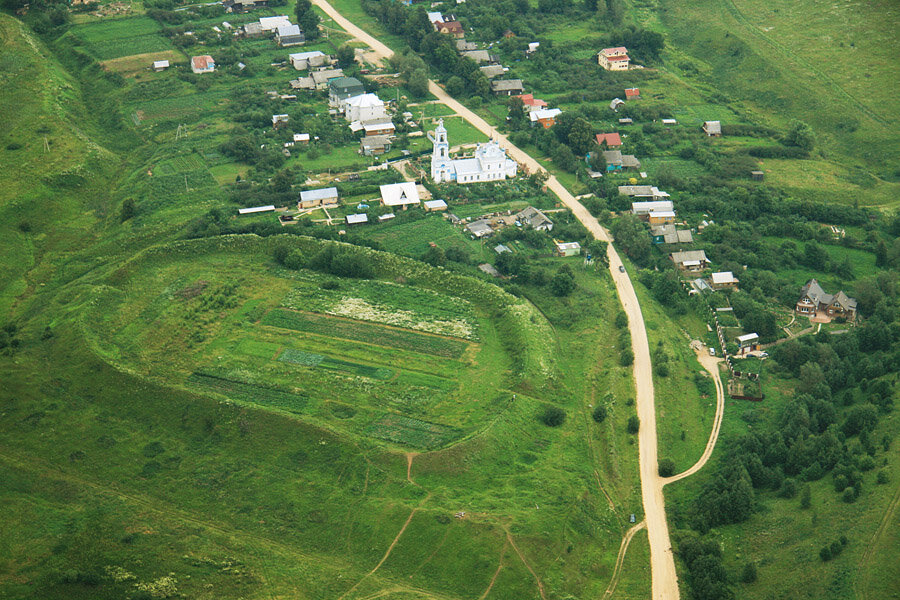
(815, 302)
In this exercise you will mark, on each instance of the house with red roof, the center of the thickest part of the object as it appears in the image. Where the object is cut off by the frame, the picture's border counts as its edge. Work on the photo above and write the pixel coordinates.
(611, 140)
(530, 103)
(614, 59)
(453, 28)
(203, 64)
(632, 93)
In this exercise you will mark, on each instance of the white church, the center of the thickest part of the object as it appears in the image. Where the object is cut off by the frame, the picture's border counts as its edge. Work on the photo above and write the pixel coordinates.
(490, 162)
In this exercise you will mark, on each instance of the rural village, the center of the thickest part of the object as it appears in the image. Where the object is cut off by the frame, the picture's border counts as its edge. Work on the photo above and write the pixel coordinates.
(533, 299)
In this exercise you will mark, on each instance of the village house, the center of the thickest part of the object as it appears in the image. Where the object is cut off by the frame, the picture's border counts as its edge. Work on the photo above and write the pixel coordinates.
(712, 128)
(690, 260)
(610, 140)
(452, 28)
(374, 145)
(614, 59)
(491, 71)
(239, 6)
(435, 18)
(642, 191)
(668, 234)
(567, 248)
(490, 162)
(289, 35)
(464, 46)
(341, 88)
(479, 56)
(271, 24)
(643, 209)
(364, 107)
(723, 280)
(253, 29)
(203, 64)
(434, 205)
(383, 126)
(400, 194)
(815, 302)
(479, 229)
(747, 343)
(632, 93)
(507, 87)
(279, 121)
(301, 138)
(616, 161)
(160, 65)
(545, 117)
(661, 217)
(535, 219)
(323, 77)
(530, 103)
(319, 197)
(306, 60)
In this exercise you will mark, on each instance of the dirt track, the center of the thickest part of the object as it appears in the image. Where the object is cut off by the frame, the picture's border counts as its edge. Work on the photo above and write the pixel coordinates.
(662, 562)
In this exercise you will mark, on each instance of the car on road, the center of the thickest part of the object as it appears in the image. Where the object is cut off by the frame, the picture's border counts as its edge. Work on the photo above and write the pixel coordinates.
(621, 268)
(763, 355)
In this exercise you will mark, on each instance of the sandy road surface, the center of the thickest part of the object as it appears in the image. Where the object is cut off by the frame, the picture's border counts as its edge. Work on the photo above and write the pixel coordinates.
(662, 562)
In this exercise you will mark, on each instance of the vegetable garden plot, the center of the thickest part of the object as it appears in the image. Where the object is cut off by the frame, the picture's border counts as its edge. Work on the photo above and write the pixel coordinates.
(250, 392)
(411, 432)
(364, 332)
(311, 359)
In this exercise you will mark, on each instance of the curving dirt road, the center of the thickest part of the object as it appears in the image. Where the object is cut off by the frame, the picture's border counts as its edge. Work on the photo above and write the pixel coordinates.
(711, 364)
(620, 559)
(662, 562)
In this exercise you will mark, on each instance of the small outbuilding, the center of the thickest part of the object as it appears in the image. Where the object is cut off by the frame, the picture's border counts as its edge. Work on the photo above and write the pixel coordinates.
(357, 219)
(160, 65)
(567, 248)
(434, 205)
(712, 128)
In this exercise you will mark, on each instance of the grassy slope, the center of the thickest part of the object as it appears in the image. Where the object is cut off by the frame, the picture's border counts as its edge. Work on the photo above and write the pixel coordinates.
(785, 60)
(58, 184)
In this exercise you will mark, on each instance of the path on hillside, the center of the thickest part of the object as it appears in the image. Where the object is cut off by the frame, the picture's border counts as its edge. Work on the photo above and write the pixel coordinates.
(860, 584)
(662, 561)
(711, 364)
(620, 559)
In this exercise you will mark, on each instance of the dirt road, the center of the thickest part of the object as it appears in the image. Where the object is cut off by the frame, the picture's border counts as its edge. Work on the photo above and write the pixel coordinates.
(711, 364)
(662, 562)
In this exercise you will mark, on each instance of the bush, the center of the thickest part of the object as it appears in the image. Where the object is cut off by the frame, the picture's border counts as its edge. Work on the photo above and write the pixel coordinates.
(825, 553)
(788, 488)
(882, 477)
(553, 416)
(666, 467)
(627, 358)
(849, 495)
(153, 449)
(600, 415)
(748, 573)
(634, 424)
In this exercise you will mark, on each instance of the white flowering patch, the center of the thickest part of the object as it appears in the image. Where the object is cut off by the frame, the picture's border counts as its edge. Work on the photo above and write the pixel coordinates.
(357, 308)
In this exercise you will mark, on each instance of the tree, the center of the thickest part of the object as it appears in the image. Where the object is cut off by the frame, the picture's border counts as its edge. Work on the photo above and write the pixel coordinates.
(581, 136)
(666, 467)
(626, 359)
(307, 19)
(634, 424)
(281, 182)
(615, 9)
(128, 210)
(800, 135)
(456, 86)
(621, 320)
(599, 414)
(346, 56)
(516, 112)
(564, 158)
(562, 284)
(553, 416)
(418, 83)
(434, 256)
(631, 234)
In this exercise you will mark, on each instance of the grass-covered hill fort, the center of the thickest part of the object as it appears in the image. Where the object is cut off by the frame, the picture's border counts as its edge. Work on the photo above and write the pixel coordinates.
(201, 403)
